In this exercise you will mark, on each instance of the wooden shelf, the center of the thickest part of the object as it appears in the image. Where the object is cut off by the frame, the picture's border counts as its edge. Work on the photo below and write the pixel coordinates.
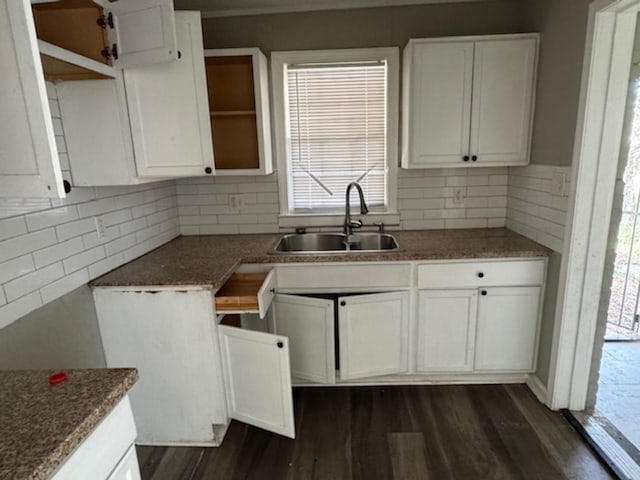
(61, 64)
(233, 113)
(240, 292)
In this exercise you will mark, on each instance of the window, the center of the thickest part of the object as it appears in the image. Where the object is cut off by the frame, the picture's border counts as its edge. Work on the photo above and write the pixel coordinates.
(336, 123)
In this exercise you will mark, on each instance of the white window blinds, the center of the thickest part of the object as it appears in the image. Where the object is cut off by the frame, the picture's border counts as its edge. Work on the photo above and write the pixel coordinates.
(336, 134)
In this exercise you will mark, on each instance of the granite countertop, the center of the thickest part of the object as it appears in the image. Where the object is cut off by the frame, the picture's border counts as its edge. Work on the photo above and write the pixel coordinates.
(41, 425)
(209, 260)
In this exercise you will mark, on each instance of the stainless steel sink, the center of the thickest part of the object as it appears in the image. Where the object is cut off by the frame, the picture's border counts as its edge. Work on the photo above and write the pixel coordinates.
(335, 243)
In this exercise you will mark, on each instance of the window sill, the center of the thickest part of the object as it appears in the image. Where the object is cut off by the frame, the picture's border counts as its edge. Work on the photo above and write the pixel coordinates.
(335, 220)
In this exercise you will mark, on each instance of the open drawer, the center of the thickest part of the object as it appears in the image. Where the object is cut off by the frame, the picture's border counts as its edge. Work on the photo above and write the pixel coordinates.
(257, 376)
(247, 293)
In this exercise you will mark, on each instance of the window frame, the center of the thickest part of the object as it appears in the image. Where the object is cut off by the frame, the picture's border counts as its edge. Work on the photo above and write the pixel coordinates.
(279, 63)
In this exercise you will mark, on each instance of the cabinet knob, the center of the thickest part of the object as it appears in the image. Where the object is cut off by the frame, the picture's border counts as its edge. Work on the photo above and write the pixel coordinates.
(179, 54)
(474, 158)
(67, 186)
(465, 158)
(208, 170)
(483, 293)
(343, 303)
(280, 345)
(480, 275)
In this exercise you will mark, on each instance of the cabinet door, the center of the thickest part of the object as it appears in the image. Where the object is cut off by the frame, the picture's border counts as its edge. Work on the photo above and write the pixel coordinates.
(144, 32)
(29, 164)
(168, 109)
(446, 330)
(503, 90)
(439, 103)
(373, 334)
(308, 323)
(128, 468)
(507, 329)
(97, 132)
(258, 379)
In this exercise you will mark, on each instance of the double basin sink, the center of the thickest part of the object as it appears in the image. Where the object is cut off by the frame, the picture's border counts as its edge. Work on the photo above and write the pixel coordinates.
(335, 243)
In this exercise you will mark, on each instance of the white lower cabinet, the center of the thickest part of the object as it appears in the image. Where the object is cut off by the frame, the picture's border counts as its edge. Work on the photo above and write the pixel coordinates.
(207, 357)
(258, 379)
(108, 453)
(373, 332)
(507, 328)
(446, 330)
(309, 325)
(492, 328)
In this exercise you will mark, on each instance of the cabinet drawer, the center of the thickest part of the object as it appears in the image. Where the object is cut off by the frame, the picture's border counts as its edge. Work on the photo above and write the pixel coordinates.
(247, 293)
(331, 278)
(481, 274)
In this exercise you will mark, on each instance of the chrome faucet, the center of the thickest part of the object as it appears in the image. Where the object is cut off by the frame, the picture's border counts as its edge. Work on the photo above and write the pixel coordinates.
(349, 224)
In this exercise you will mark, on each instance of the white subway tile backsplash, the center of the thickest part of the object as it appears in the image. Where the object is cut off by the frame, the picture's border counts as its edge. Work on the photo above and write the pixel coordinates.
(57, 252)
(12, 227)
(27, 243)
(16, 268)
(532, 209)
(32, 281)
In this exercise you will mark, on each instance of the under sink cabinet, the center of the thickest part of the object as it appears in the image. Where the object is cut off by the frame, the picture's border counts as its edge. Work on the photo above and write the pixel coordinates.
(206, 357)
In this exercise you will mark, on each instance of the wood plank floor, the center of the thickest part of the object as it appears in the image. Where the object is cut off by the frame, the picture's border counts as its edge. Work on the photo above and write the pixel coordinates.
(398, 433)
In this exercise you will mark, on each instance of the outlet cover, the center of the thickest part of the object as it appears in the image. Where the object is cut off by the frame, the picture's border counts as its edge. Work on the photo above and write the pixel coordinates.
(458, 196)
(99, 226)
(236, 202)
(557, 184)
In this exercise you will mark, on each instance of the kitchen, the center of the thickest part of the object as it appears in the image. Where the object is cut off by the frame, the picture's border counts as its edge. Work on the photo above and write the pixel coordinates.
(58, 249)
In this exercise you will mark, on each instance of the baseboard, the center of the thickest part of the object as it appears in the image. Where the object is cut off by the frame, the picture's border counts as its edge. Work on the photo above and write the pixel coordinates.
(538, 388)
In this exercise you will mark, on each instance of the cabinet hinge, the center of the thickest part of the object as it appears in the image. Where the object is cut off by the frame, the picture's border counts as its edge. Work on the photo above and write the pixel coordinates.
(106, 21)
(110, 53)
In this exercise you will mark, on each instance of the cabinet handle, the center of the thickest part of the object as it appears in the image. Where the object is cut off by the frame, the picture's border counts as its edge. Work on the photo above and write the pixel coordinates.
(280, 345)
(483, 293)
(273, 290)
(480, 275)
(343, 303)
(465, 158)
(474, 158)
(179, 54)
(208, 170)
(67, 186)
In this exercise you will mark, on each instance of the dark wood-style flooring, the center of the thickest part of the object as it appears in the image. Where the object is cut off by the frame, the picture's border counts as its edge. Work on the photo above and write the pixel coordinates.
(394, 433)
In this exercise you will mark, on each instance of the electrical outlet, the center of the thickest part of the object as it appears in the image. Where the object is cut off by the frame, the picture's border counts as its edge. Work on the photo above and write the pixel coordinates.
(458, 196)
(236, 202)
(557, 184)
(99, 227)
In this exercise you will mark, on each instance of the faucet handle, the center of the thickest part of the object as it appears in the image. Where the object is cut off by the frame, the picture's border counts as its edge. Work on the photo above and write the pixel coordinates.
(355, 223)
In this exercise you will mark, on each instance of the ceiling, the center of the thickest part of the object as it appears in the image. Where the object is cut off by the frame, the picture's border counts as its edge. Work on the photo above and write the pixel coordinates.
(229, 8)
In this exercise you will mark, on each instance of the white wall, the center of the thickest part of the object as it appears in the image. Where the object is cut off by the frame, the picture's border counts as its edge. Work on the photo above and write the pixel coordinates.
(50, 247)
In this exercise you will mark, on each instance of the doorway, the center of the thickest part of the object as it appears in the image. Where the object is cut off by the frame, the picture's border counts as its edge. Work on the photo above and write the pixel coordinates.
(617, 398)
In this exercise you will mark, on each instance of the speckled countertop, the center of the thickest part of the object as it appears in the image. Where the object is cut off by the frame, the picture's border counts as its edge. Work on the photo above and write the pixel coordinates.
(41, 425)
(210, 260)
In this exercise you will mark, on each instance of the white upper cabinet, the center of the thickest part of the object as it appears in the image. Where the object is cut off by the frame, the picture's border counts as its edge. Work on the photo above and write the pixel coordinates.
(468, 101)
(29, 164)
(440, 99)
(143, 32)
(63, 41)
(238, 98)
(168, 109)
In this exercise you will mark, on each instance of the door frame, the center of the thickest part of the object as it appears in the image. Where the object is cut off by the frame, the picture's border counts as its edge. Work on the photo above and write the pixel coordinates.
(603, 93)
